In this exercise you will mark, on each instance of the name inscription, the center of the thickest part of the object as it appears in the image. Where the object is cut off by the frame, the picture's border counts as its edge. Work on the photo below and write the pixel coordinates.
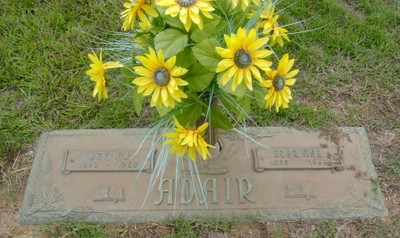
(307, 158)
(186, 190)
(108, 161)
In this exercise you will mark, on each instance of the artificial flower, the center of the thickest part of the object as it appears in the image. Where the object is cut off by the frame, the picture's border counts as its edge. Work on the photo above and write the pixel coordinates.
(137, 9)
(244, 3)
(243, 58)
(184, 141)
(160, 78)
(278, 83)
(97, 74)
(270, 27)
(188, 10)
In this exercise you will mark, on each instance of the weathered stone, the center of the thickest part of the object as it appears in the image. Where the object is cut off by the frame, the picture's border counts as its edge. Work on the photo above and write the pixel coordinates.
(282, 174)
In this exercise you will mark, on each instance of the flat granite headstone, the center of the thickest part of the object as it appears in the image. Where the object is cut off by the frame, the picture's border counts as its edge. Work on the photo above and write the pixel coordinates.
(283, 174)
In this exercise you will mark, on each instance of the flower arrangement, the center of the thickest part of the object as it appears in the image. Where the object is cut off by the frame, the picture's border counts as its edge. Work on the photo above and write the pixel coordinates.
(201, 64)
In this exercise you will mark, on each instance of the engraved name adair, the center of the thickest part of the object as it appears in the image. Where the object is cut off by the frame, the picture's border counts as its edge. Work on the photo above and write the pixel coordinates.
(186, 191)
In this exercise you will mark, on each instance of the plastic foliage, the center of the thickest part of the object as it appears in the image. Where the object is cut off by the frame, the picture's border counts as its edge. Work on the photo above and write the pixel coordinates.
(199, 64)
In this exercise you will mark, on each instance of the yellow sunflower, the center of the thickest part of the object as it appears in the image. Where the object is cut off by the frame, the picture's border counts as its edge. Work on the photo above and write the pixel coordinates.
(184, 141)
(270, 26)
(244, 3)
(160, 78)
(188, 10)
(278, 82)
(97, 74)
(137, 9)
(243, 57)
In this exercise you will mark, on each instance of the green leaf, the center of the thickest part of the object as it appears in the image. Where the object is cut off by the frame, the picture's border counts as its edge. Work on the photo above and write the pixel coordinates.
(171, 42)
(225, 6)
(162, 111)
(209, 28)
(127, 73)
(219, 120)
(174, 22)
(240, 90)
(245, 105)
(206, 54)
(137, 101)
(198, 77)
(185, 58)
(158, 25)
(227, 101)
(143, 40)
(189, 113)
(259, 93)
(222, 25)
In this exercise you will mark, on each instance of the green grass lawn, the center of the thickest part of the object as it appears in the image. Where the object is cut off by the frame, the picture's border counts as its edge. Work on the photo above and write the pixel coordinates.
(350, 76)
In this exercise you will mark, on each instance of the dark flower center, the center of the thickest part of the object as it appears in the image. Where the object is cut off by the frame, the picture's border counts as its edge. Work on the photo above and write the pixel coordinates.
(243, 58)
(186, 3)
(279, 83)
(161, 76)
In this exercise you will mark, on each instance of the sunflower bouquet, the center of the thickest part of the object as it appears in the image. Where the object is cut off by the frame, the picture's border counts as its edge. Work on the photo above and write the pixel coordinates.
(201, 64)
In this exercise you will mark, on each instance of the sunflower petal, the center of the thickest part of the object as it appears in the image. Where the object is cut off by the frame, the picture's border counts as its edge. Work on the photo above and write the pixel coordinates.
(170, 63)
(290, 82)
(225, 53)
(178, 71)
(292, 73)
(262, 64)
(224, 65)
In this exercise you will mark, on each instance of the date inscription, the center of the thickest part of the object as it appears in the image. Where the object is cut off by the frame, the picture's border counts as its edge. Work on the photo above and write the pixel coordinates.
(307, 158)
(108, 161)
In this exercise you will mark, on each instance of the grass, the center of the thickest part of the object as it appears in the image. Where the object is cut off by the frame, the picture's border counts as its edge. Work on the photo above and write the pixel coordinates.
(349, 77)
(73, 229)
(44, 58)
(179, 227)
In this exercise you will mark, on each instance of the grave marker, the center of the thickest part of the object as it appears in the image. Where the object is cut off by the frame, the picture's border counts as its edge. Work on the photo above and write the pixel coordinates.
(104, 176)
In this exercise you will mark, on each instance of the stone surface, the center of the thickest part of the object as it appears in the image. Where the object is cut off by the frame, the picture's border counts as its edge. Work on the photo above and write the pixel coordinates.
(275, 174)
